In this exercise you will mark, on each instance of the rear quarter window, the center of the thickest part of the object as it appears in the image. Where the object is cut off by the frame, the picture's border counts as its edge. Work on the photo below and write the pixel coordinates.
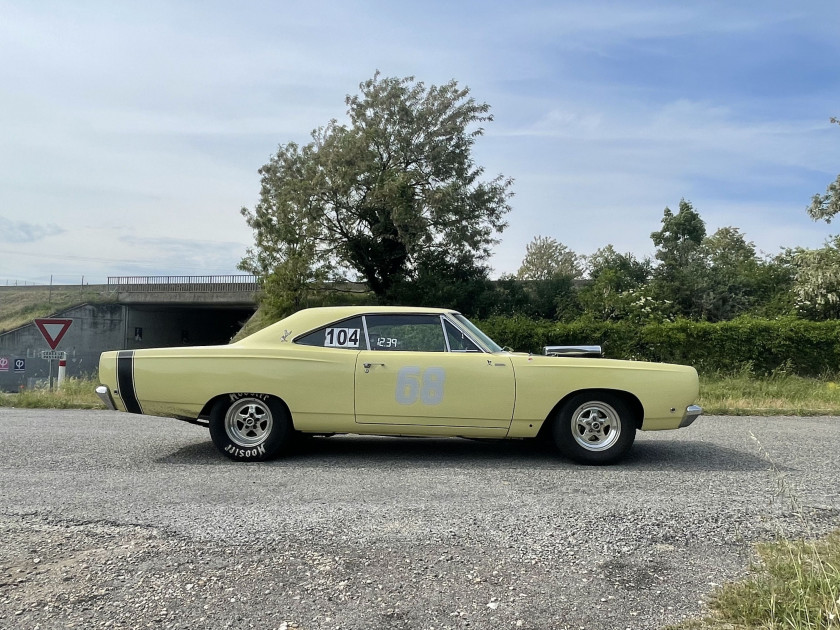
(348, 334)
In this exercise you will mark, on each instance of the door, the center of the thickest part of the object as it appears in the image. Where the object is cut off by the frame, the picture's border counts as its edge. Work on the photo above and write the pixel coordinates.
(410, 377)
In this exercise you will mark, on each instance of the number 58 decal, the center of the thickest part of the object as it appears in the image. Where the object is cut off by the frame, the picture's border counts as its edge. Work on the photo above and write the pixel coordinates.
(425, 385)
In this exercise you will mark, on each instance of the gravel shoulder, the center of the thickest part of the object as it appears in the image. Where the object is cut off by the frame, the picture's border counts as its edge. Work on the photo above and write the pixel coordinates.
(117, 521)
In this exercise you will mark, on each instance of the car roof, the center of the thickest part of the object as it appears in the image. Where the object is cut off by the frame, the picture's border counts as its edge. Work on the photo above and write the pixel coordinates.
(312, 318)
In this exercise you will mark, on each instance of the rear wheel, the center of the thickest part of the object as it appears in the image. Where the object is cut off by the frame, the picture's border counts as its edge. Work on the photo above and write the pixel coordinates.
(594, 428)
(250, 427)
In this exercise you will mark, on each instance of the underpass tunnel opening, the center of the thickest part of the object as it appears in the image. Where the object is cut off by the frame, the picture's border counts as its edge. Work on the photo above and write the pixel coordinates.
(155, 326)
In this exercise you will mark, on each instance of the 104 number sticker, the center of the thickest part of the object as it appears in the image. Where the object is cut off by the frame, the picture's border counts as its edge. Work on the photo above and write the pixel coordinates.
(341, 338)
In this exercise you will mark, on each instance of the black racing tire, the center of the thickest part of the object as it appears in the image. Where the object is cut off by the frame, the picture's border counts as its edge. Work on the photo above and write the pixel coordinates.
(250, 427)
(594, 428)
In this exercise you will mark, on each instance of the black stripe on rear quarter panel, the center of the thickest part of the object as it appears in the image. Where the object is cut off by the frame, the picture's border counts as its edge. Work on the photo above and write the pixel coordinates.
(125, 381)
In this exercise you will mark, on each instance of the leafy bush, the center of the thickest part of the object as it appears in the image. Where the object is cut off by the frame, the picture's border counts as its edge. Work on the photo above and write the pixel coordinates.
(750, 345)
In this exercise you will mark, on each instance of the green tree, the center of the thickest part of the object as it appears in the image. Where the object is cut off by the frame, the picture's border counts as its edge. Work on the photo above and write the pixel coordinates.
(828, 205)
(735, 281)
(395, 186)
(817, 281)
(554, 299)
(716, 277)
(616, 286)
(458, 284)
(677, 278)
(774, 287)
(288, 254)
(546, 258)
(727, 285)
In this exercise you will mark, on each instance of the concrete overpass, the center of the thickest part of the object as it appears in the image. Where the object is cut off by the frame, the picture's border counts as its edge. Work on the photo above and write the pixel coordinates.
(240, 290)
(131, 312)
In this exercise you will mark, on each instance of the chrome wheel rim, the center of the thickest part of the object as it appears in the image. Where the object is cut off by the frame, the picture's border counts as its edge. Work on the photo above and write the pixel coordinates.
(596, 426)
(248, 422)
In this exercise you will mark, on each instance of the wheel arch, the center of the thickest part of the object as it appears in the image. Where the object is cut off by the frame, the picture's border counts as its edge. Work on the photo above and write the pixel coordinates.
(208, 407)
(634, 404)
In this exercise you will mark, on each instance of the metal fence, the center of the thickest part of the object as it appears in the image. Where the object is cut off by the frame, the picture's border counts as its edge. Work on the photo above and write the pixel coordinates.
(175, 284)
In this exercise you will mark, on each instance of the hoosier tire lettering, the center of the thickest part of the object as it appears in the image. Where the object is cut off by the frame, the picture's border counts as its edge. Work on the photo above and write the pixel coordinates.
(248, 453)
(263, 397)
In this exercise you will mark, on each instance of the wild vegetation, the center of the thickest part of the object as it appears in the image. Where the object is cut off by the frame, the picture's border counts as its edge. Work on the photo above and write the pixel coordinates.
(74, 393)
(777, 394)
(792, 585)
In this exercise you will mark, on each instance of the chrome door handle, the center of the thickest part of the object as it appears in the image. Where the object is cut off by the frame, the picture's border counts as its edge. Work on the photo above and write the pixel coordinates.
(367, 366)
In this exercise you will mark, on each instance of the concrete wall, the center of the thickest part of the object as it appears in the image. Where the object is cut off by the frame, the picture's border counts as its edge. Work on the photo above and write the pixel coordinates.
(100, 327)
(95, 327)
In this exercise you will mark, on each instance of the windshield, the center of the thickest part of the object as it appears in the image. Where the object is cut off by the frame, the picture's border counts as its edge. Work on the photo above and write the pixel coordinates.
(491, 345)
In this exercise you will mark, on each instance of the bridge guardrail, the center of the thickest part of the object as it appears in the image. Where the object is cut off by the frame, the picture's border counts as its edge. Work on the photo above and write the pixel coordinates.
(183, 284)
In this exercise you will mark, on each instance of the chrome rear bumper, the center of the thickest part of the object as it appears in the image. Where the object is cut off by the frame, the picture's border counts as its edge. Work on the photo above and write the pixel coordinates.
(105, 396)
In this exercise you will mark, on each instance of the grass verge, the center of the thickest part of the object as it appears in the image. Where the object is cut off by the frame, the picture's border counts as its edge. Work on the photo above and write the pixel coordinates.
(776, 395)
(794, 585)
(75, 393)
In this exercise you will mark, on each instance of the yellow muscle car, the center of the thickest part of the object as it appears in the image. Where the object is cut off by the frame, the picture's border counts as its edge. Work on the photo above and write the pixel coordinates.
(397, 371)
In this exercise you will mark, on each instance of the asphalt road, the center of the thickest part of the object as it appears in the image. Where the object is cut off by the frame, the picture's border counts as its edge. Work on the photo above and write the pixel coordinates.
(115, 520)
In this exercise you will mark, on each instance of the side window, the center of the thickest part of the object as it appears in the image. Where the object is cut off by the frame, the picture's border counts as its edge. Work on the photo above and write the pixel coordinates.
(348, 334)
(458, 341)
(417, 333)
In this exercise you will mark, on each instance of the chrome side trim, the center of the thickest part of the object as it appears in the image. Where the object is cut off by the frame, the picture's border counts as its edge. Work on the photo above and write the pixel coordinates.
(105, 396)
(690, 415)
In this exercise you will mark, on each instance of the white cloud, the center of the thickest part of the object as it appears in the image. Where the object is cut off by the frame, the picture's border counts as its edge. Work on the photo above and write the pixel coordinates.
(23, 232)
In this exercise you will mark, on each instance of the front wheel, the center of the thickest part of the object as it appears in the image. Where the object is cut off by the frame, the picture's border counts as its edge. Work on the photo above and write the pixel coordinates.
(250, 427)
(594, 428)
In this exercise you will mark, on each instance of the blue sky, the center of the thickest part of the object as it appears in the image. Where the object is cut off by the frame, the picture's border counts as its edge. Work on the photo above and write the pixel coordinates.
(133, 132)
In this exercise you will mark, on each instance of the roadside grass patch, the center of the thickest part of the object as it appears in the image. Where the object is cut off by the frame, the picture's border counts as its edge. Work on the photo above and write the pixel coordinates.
(793, 585)
(74, 393)
(778, 394)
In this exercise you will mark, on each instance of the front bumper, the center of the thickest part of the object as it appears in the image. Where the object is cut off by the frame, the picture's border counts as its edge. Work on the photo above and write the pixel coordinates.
(691, 414)
(105, 396)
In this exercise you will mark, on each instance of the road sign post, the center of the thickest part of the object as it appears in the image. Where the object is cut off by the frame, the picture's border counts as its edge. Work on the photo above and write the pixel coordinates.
(53, 330)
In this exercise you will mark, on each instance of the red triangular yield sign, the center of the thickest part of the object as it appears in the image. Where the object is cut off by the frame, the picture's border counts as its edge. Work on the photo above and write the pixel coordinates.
(53, 329)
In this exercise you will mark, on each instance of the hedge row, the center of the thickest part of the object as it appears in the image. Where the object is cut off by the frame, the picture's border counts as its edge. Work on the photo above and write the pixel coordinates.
(759, 346)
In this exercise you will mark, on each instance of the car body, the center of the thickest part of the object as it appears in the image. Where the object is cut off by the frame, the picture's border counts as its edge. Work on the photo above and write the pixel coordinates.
(396, 371)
